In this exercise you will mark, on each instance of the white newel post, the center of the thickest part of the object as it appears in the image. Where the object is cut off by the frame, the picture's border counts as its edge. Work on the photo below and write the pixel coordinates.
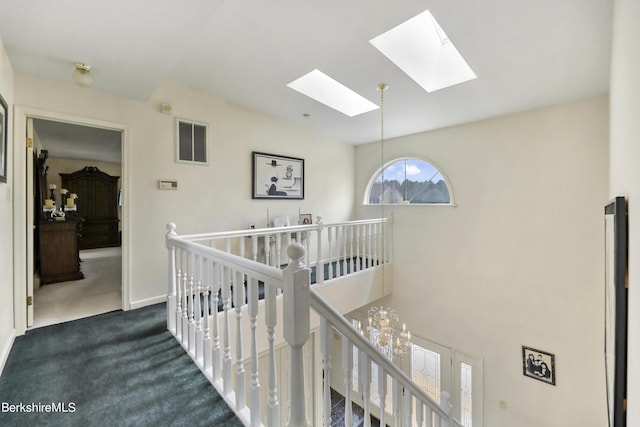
(296, 328)
(171, 292)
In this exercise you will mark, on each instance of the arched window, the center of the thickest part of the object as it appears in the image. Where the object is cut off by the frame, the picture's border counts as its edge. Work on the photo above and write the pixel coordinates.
(409, 181)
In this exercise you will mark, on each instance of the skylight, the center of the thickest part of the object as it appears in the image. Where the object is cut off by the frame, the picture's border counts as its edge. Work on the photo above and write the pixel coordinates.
(421, 49)
(324, 89)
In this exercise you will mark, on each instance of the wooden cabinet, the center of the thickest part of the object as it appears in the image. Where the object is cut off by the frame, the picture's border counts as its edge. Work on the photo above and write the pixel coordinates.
(59, 251)
(97, 204)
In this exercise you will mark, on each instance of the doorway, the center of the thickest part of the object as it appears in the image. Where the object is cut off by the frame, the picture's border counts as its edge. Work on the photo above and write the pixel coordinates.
(25, 213)
(94, 285)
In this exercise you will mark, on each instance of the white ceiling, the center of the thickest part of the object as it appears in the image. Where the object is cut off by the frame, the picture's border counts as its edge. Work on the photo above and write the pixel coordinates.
(526, 54)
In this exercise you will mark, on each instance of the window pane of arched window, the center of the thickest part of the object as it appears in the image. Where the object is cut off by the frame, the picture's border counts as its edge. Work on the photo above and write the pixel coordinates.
(410, 181)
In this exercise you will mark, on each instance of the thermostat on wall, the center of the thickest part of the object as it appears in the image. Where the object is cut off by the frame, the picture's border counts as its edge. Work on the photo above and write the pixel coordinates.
(167, 184)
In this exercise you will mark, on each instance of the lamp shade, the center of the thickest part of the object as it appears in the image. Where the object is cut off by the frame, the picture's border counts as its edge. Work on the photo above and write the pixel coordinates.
(82, 75)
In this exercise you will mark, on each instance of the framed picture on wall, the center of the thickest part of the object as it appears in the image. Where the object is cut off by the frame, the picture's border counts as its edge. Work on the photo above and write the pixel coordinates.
(615, 311)
(4, 123)
(277, 177)
(539, 364)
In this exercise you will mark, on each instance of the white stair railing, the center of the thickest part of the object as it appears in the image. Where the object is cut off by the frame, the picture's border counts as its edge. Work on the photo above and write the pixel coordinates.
(254, 296)
(338, 248)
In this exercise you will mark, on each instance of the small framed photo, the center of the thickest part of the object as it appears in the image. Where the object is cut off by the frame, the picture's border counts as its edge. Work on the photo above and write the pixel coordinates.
(539, 364)
(305, 219)
(277, 177)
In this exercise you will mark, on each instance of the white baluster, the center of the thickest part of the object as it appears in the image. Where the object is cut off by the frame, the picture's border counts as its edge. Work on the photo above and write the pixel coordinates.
(253, 290)
(319, 256)
(191, 305)
(216, 275)
(395, 398)
(429, 416)
(358, 265)
(226, 361)
(185, 300)
(347, 366)
(364, 375)
(351, 263)
(344, 250)
(375, 238)
(273, 411)
(278, 262)
(363, 238)
(406, 410)
(180, 296)
(238, 296)
(198, 309)
(207, 279)
(382, 392)
(331, 267)
(254, 247)
(171, 292)
(326, 371)
(419, 413)
(296, 328)
(267, 249)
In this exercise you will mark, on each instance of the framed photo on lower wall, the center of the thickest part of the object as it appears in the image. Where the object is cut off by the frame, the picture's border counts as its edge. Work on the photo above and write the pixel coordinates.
(539, 365)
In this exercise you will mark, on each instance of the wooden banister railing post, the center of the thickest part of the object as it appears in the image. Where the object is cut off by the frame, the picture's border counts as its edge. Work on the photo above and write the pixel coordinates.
(296, 317)
(171, 292)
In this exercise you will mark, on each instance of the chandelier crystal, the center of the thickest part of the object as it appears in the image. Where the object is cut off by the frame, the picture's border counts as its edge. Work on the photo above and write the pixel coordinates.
(384, 333)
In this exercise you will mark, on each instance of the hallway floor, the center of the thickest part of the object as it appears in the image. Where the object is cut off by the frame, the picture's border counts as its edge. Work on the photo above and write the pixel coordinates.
(99, 292)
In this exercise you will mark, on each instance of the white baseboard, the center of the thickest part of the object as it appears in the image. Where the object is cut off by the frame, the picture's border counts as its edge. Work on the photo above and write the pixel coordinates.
(148, 301)
(6, 348)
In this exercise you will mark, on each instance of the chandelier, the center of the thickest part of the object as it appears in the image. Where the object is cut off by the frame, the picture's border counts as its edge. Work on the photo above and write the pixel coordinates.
(383, 329)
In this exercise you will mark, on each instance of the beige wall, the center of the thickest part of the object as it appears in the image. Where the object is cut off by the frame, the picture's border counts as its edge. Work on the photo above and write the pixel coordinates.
(625, 173)
(519, 261)
(214, 197)
(6, 221)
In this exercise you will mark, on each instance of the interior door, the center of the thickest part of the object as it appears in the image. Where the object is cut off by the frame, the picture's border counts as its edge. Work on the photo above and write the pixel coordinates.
(30, 220)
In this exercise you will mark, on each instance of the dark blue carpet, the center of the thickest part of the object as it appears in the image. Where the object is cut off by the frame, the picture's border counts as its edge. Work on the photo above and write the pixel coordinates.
(115, 369)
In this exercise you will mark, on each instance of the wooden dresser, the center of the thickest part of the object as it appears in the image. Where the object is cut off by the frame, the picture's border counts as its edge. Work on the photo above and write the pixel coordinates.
(59, 251)
(97, 205)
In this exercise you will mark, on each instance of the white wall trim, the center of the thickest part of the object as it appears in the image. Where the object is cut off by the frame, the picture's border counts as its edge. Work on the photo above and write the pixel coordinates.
(6, 349)
(148, 301)
(19, 208)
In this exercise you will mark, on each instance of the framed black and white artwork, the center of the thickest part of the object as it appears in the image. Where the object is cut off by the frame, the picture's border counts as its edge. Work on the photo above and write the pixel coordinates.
(538, 364)
(277, 177)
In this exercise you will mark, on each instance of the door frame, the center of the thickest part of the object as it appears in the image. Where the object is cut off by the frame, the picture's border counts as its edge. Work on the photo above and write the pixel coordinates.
(21, 192)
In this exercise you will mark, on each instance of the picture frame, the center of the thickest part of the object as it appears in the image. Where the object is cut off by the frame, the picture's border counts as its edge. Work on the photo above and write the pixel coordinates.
(4, 131)
(538, 364)
(615, 319)
(277, 177)
(305, 219)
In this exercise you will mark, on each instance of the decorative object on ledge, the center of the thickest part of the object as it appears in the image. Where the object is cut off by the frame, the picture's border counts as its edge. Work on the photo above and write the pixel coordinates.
(539, 364)
(277, 177)
(4, 123)
(305, 219)
(615, 315)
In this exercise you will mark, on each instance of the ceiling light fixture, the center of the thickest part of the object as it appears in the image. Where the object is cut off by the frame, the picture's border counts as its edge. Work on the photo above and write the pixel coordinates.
(383, 329)
(82, 75)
